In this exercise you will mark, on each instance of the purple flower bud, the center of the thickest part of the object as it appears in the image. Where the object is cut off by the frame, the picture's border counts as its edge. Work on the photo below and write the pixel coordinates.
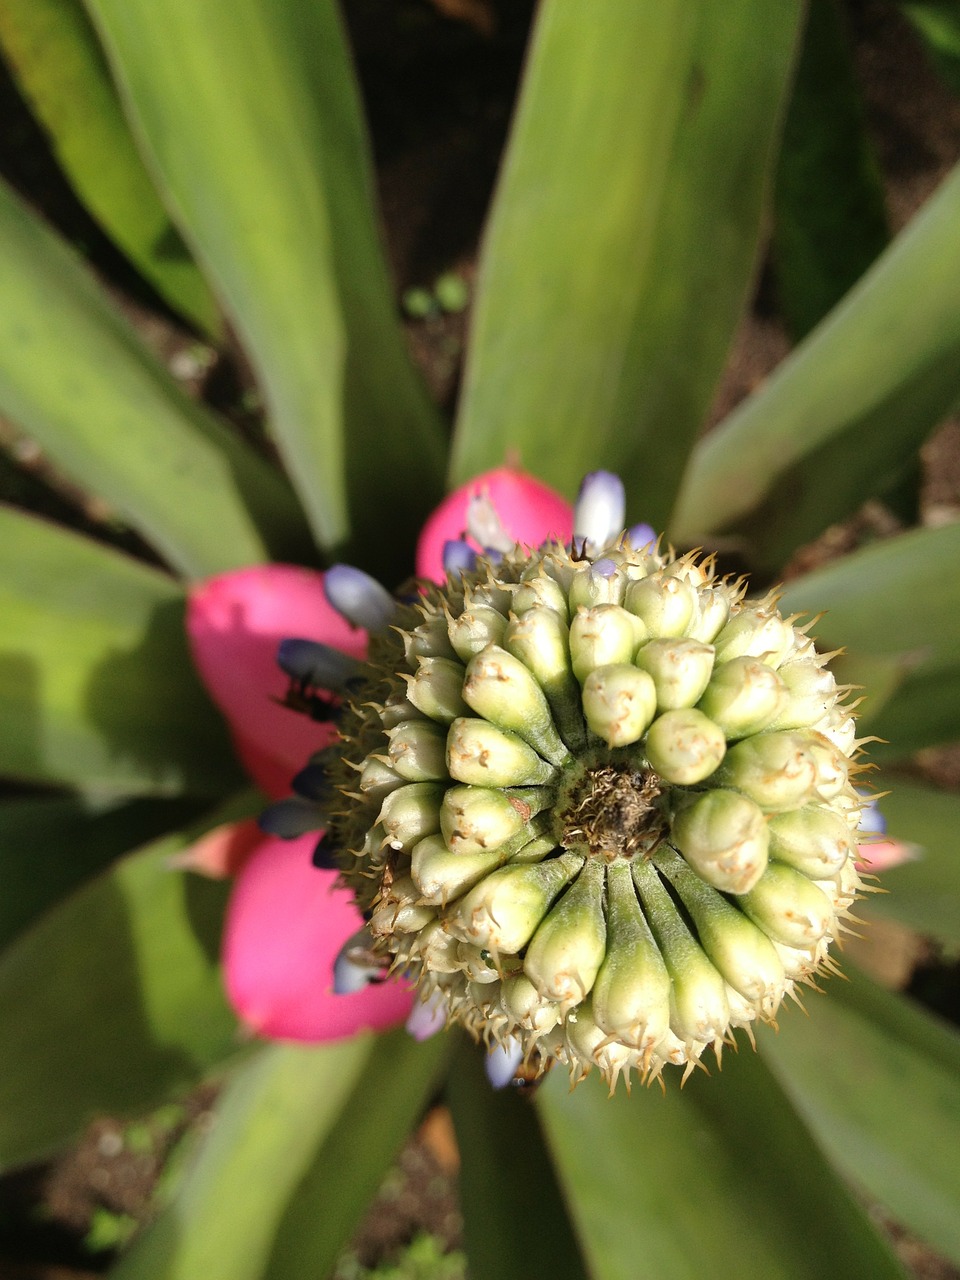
(356, 966)
(458, 556)
(316, 665)
(313, 783)
(427, 1017)
(358, 597)
(640, 536)
(503, 1061)
(600, 509)
(291, 818)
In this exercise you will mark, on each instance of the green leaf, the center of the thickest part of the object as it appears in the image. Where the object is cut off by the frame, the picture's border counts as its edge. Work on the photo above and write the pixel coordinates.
(878, 1081)
(830, 222)
(506, 1181)
(50, 846)
(925, 893)
(75, 376)
(61, 71)
(252, 120)
(623, 238)
(112, 1000)
(720, 1180)
(897, 601)
(302, 1137)
(387, 1101)
(841, 418)
(97, 688)
(938, 22)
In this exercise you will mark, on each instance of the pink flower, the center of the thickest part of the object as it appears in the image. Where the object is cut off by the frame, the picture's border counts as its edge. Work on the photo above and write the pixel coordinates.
(286, 921)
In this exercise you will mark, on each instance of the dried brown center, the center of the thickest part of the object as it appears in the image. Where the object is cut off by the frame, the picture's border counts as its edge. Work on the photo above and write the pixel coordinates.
(612, 809)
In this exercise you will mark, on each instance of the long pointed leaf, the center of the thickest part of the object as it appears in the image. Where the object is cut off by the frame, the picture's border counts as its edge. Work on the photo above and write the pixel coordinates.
(387, 1100)
(62, 72)
(506, 1181)
(720, 1180)
(75, 376)
(253, 123)
(49, 846)
(97, 688)
(899, 601)
(623, 238)
(830, 221)
(272, 1117)
(112, 1000)
(878, 1081)
(842, 417)
(924, 893)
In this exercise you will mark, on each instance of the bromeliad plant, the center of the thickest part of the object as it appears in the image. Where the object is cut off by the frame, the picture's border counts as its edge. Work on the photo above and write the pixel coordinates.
(584, 768)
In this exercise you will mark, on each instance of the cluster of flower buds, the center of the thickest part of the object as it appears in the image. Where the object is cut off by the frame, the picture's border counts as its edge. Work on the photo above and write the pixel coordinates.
(596, 803)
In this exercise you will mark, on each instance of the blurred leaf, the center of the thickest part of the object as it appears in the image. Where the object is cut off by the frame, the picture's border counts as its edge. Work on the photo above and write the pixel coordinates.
(924, 894)
(830, 220)
(97, 688)
(292, 1125)
(112, 1000)
(841, 418)
(506, 1181)
(897, 601)
(720, 1180)
(61, 70)
(387, 1101)
(878, 1081)
(623, 237)
(49, 846)
(75, 376)
(938, 22)
(252, 119)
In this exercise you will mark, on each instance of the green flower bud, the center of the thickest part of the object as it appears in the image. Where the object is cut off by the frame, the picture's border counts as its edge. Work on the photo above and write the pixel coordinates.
(541, 591)
(500, 689)
(503, 911)
(540, 639)
(814, 840)
(631, 995)
(680, 669)
(474, 629)
(568, 947)
(428, 640)
(601, 637)
(436, 689)
(712, 612)
(478, 819)
(685, 747)
(417, 750)
(377, 779)
(724, 838)
(789, 907)
(777, 770)
(619, 703)
(399, 911)
(755, 632)
(410, 813)
(744, 696)
(666, 606)
(524, 1005)
(441, 875)
(483, 755)
(588, 589)
(811, 692)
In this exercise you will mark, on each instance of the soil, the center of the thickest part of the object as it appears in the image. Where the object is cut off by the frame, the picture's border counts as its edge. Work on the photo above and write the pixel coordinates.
(439, 79)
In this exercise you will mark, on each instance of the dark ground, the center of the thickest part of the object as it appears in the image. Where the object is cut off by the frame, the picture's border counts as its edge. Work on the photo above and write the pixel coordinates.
(439, 77)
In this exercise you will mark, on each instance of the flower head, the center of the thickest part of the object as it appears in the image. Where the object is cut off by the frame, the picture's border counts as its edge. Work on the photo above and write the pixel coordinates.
(591, 799)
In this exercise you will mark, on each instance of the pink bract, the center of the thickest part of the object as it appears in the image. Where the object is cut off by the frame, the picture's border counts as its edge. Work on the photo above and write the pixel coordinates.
(529, 511)
(235, 623)
(285, 926)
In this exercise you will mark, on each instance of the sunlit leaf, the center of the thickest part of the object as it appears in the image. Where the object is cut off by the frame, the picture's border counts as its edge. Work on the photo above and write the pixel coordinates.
(720, 1180)
(878, 1081)
(112, 1000)
(623, 238)
(97, 687)
(252, 121)
(75, 377)
(63, 74)
(842, 417)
